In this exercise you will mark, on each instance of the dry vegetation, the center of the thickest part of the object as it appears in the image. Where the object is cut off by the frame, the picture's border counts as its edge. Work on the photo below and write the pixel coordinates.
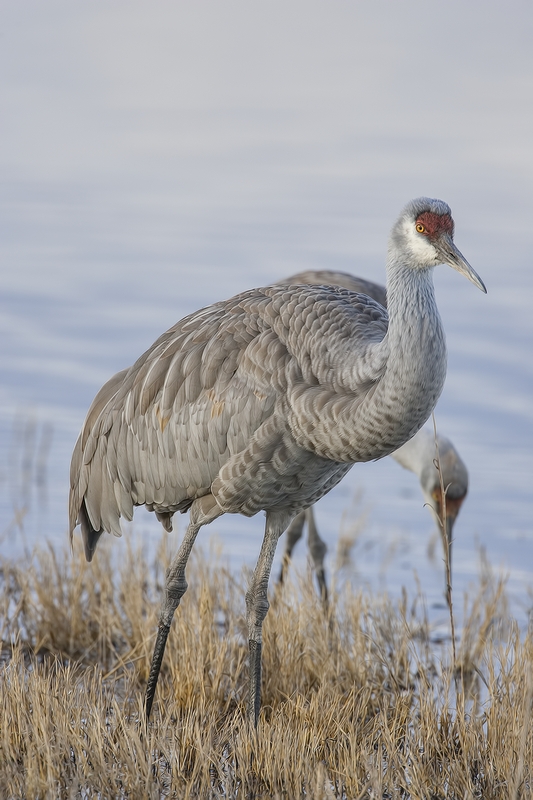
(358, 703)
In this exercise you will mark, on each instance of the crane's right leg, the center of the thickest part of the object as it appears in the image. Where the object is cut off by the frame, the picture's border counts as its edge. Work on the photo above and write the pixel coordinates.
(203, 511)
(257, 606)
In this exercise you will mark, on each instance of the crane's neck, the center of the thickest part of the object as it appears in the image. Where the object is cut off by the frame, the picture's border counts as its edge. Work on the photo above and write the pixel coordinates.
(417, 452)
(410, 293)
(415, 328)
(397, 381)
(416, 363)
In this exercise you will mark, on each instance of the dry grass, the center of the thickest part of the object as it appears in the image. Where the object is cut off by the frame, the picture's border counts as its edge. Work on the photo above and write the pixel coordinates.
(356, 704)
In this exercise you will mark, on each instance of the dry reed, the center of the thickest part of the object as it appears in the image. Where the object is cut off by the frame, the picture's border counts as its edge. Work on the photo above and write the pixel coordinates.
(358, 702)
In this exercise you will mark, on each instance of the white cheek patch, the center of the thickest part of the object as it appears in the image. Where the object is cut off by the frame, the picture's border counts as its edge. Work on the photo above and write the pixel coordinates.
(420, 246)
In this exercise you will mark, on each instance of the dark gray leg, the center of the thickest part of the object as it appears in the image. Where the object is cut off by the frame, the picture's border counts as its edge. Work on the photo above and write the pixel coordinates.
(318, 550)
(203, 511)
(294, 534)
(257, 606)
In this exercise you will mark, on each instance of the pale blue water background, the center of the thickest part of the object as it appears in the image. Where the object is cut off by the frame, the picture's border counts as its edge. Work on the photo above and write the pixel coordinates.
(157, 157)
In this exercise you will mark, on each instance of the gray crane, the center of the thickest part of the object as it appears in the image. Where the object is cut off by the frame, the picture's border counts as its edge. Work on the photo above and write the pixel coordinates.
(417, 455)
(264, 402)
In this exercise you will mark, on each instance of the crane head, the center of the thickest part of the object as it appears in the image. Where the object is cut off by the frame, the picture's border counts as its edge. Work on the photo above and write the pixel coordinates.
(423, 236)
(448, 472)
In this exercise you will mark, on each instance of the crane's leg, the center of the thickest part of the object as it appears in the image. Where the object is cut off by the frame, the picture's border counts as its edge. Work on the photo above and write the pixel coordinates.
(294, 534)
(257, 606)
(203, 511)
(318, 550)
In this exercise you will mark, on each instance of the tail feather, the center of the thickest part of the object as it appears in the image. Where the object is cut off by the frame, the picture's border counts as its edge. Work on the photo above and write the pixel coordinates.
(83, 490)
(90, 536)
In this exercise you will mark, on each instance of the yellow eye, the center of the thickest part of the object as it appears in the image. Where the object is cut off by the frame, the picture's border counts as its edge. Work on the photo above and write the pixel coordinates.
(420, 228)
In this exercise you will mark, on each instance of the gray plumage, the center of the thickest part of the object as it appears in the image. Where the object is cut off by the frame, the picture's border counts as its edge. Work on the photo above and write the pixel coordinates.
(332, 277)
(263, 402)
(418, 455)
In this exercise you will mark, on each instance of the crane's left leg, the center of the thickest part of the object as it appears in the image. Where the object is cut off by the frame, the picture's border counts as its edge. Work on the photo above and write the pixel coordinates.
(257, 606)
(292, 537)
(318, 549)
(203, 511)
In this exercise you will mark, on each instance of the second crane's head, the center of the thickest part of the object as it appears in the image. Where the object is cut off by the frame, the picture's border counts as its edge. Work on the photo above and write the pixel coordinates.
(423, 237)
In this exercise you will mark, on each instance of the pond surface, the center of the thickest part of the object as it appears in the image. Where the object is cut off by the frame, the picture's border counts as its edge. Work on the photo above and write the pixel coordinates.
(157, 160)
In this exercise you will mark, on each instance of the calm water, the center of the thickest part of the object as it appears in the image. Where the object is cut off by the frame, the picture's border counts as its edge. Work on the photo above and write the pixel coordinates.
(155, 160)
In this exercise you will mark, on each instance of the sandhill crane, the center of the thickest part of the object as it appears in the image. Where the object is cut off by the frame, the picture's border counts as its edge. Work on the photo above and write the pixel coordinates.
(418, 455)
(264, 402)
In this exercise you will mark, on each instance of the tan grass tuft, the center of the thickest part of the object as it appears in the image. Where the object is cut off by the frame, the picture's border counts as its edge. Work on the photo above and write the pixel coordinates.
(358, 702)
